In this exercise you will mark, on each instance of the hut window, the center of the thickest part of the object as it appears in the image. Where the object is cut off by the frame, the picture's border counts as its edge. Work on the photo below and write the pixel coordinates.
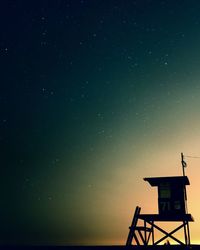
(164, 190)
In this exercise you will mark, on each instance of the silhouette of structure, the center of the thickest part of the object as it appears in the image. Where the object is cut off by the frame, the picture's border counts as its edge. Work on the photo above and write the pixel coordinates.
(172, 207)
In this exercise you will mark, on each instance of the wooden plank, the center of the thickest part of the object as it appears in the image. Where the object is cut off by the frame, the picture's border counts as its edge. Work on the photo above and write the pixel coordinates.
(171, 217)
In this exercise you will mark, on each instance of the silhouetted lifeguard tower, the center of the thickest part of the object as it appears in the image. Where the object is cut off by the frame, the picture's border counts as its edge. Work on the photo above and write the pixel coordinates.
(172, 207)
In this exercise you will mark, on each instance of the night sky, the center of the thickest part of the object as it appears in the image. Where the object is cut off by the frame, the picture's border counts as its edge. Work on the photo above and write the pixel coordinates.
(94, 96)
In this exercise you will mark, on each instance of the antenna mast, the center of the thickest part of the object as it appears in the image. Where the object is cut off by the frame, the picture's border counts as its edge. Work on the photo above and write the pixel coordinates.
(183, 164)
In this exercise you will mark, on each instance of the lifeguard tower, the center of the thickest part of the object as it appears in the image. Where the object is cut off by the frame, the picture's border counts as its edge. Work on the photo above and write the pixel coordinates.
(172, 207)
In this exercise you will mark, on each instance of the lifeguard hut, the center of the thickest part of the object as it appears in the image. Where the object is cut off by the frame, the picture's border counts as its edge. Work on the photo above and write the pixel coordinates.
(172, 207)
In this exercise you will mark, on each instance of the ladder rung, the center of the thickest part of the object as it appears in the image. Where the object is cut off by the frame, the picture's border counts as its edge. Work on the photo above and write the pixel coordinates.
(143, 228)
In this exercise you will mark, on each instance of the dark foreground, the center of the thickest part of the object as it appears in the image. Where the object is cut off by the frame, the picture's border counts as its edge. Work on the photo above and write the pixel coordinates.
(169, 247)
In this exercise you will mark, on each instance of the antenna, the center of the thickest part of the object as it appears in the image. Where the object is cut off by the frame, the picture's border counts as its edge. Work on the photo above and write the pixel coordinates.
(183, 164)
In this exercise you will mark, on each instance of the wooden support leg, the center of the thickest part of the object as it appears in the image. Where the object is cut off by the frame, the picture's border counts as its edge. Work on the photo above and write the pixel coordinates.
(185, 233)
(188, 232)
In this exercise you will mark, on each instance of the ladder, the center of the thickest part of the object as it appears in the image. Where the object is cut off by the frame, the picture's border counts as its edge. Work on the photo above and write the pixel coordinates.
(138, 233)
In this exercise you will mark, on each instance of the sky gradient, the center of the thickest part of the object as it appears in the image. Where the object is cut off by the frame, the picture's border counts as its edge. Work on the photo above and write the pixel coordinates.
(95, 96)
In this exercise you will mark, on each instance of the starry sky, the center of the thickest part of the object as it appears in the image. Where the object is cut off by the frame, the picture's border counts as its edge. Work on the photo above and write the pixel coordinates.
(95, 95)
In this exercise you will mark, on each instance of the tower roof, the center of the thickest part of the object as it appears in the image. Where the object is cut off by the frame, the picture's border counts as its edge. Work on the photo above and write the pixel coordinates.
(180, 180)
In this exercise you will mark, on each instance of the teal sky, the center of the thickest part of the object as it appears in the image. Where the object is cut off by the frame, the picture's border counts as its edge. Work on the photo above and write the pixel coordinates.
(95, 95)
